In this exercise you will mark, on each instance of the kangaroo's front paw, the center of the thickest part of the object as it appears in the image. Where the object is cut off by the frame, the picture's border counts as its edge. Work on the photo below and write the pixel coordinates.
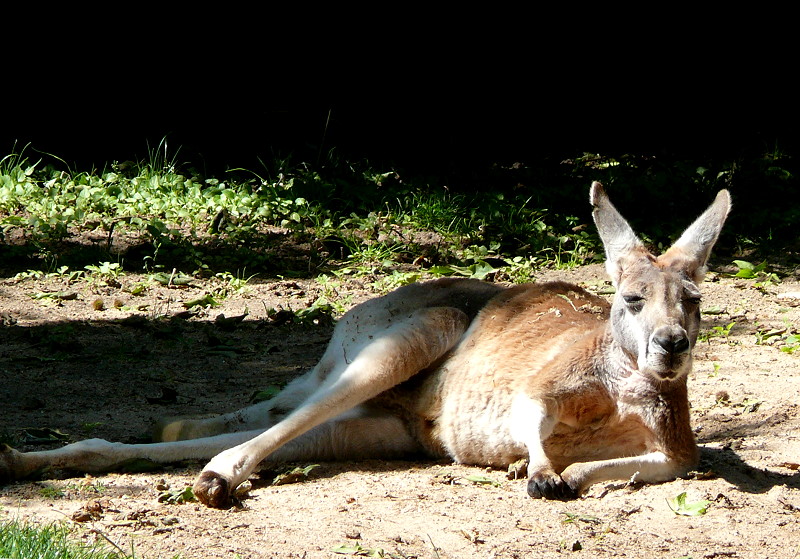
(549, 485)
(213, 490)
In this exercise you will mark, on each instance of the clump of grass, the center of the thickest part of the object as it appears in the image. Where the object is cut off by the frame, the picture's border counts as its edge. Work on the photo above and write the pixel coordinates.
(19, 540)
(25, 540)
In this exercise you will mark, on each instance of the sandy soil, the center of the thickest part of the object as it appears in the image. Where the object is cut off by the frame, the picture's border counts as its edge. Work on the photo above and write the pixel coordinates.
(88, 369)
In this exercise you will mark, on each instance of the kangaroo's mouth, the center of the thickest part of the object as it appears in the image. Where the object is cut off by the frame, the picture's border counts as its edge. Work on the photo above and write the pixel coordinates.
(667, 375)
(666, 371)
(666, 366)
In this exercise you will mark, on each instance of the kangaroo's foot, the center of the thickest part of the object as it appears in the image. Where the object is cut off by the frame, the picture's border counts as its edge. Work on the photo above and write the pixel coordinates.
(213, 490)
(9, 464)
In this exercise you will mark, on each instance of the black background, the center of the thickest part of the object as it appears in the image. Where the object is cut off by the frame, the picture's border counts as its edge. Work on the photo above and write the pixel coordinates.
(426, 132)
(231, 90)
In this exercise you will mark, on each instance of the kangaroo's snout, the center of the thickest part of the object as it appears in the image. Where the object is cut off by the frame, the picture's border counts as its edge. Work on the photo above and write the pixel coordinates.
(671, 340)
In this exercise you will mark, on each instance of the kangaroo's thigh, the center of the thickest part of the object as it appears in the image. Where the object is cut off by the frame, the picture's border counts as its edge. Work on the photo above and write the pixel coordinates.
(367, 364)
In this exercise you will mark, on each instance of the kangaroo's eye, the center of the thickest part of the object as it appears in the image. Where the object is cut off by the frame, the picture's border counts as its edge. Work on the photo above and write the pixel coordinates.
(634, 302)
(694, 301)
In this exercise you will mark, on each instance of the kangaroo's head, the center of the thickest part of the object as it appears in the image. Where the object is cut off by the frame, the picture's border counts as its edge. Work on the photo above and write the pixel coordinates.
(655, 315)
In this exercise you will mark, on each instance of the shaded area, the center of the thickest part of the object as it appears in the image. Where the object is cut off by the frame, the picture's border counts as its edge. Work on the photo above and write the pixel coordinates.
(724, 462)
(114, 378)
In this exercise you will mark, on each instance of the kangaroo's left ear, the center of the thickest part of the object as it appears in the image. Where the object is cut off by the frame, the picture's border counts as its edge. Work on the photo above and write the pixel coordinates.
(692, 250)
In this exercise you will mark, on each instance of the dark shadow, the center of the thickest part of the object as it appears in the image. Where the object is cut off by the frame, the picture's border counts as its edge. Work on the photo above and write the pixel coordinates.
(725, 463)
(114, 379)
(268, 253)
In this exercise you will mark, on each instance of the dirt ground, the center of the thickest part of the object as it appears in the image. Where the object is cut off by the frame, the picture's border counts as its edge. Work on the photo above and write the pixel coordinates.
(87, 369)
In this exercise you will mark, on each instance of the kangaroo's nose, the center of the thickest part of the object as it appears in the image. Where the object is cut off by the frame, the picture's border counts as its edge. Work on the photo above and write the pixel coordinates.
(672, 343)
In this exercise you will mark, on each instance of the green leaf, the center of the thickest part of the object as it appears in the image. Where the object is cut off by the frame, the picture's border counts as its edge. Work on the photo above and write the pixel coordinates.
(177, 496)
(441, 270)
(681, 507)
(266, 394)
(480, 270)
(482, 480)
(588, 518)
(206, 300)
(44, 435)
(359, 550)
(293, 476)
(347, 549)
(713, 310)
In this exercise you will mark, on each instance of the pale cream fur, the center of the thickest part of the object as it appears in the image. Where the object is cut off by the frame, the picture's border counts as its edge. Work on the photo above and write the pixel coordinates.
(584, 390)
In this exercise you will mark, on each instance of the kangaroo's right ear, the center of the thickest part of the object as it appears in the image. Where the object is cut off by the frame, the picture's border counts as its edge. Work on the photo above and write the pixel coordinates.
(618, 238)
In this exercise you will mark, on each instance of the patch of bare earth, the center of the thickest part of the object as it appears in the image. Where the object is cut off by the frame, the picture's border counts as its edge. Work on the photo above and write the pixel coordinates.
(88, 369)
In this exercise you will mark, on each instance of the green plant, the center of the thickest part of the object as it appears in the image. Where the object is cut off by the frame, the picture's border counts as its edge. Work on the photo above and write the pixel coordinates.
(791, 343)
(105, 272)
(90, 427)
(571, 249)
(235, 282)
(206, 300)
(320, 313)
(361, 551)
(750, 405)
(521, 269)
(477, 270)
(763, 336)
(265, 393)
(50, 492)
(88, 485)
(367, 258)
(294, 475)
(680, 506)
(482, 480)
(719, 331)
(19, 540)
(63, 272)
(394, 280)
(786, 338)
(759, 273)
(586, 518)
(160, 160)
(177, 496)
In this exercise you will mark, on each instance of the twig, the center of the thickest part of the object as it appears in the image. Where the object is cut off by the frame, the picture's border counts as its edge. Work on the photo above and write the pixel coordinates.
(435, 549)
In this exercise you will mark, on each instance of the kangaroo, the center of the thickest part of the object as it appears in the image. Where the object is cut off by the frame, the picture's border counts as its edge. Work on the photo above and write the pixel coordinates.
(477, 373)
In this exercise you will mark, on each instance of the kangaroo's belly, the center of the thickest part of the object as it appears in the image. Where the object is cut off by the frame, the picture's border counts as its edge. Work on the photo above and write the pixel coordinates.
(474, 428)
(516, 345)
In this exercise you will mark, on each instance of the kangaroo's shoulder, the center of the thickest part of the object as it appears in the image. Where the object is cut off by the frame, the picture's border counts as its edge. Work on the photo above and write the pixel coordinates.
(559, 298)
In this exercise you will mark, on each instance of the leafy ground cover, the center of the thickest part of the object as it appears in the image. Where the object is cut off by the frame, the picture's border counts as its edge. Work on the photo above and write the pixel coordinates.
(146, 291)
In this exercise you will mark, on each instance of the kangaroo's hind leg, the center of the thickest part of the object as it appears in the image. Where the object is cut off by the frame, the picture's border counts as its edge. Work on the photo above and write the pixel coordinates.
(262, 415)
(359, 434)
(174, 440)
(358, 365)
